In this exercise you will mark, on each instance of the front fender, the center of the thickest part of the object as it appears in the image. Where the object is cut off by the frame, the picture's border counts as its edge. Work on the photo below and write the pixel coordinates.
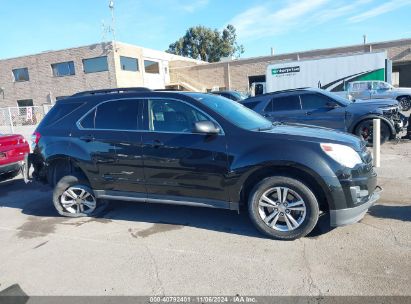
(292, 155)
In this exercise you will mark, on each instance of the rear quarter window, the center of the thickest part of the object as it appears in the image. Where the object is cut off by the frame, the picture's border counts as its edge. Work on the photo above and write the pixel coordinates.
(59, 111)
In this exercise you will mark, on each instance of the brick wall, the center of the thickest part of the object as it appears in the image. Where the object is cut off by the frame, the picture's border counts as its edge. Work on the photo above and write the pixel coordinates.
(43, 87)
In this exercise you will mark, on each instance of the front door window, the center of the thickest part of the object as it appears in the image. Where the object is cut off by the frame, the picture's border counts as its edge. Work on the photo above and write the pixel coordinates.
(173, 116)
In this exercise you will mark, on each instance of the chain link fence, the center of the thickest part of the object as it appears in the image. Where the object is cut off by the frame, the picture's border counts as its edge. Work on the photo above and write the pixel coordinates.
(22, 120)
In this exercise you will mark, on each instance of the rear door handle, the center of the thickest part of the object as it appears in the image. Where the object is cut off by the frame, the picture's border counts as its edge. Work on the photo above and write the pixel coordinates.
(87, 138)
(308, 113)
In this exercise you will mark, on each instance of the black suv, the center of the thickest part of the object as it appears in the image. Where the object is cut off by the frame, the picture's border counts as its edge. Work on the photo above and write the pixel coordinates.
(200, 150)
(321, 108)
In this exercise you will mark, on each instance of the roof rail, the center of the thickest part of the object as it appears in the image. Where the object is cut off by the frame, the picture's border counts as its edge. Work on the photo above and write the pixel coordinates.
(168, 90)
(112, 91)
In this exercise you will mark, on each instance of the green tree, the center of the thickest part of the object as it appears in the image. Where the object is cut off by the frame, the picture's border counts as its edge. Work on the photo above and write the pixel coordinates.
(207, 44)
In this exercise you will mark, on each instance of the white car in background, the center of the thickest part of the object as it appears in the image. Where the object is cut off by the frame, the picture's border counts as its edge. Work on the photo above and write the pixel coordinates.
(379, 90)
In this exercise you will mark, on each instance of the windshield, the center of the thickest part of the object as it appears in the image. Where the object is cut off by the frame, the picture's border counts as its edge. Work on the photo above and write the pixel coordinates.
(234, 112)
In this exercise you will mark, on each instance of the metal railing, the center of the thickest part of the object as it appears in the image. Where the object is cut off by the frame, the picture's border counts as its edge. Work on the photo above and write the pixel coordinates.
(22, 120)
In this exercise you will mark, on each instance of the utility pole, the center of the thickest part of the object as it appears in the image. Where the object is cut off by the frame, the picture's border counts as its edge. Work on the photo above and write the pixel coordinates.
(113, 23)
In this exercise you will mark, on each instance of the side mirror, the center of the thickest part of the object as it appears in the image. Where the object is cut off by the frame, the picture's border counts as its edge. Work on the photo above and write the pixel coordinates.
(206, 127)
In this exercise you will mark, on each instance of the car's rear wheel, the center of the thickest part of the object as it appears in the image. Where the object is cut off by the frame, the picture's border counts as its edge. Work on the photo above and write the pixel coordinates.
(405, 103)
(283, 208)
(73, 197)
(365, 129)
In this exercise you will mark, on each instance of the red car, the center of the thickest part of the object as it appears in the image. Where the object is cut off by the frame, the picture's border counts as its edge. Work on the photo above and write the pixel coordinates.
(14, 150)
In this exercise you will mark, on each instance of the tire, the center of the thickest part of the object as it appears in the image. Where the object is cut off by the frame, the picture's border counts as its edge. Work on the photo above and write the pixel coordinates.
(405, 103)
(73, 197)
(272, 221)
(365, 128)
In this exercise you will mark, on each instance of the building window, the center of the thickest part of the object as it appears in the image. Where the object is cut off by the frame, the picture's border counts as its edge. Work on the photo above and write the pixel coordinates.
(129, 64)
(21, 74)
(25, 103)
(97, 64)
(63, 69)
(151, 67)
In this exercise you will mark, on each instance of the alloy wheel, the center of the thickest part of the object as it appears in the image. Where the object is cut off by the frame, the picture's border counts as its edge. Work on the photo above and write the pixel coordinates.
(405, 104)
(366, 132)
(77, 200)
(282, 209)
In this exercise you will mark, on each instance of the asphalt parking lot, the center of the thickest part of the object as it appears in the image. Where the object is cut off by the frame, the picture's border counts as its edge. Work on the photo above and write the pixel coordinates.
(143, 249)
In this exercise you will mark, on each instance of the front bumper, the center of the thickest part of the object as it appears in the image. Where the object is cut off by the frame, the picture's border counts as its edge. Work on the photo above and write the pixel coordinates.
(5, 169)
(352, 215)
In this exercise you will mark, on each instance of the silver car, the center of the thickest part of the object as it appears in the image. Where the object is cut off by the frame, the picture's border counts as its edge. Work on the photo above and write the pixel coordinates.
(380, 89)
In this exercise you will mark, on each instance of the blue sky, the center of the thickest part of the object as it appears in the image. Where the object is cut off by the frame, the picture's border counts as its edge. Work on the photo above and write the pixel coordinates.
(32, 26)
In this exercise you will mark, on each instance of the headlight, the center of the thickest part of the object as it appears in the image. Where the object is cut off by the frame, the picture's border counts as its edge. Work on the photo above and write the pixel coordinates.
(342, 154)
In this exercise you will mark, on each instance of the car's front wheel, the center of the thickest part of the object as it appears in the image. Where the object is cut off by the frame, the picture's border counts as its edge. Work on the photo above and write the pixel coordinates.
(365, 130)
(283, 208)
(73, 197)
(405, 103)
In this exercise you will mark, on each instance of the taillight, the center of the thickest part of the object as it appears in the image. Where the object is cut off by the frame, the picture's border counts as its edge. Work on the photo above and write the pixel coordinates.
(21, 140)
(35, 138)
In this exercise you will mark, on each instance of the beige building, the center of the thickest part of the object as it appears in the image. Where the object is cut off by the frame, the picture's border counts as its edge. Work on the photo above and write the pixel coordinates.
(240, 74)
(43, 78)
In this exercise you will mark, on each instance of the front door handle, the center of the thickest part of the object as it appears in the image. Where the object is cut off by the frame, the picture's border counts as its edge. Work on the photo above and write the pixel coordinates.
(155, 143)
(87, 138)
(308, 113)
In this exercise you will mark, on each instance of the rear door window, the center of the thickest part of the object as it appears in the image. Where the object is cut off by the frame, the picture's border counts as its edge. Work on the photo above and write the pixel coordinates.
(359, 86)
(285, 103)
(113, 115)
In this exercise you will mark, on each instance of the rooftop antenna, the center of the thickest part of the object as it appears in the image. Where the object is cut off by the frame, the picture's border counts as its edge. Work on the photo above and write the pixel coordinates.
(112, 28)
(104, 30)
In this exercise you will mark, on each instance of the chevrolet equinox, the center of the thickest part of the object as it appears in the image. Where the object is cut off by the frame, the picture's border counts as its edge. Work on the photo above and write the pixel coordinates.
(200, 150)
